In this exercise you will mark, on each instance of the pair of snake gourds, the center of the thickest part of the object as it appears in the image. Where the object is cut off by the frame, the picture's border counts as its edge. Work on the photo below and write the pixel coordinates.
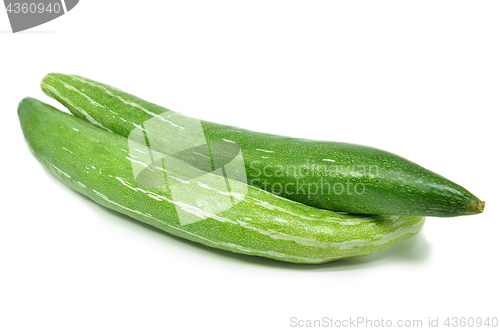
(288, 199)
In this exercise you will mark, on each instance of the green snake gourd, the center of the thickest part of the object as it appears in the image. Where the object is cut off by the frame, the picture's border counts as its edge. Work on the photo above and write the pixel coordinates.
(328, 175)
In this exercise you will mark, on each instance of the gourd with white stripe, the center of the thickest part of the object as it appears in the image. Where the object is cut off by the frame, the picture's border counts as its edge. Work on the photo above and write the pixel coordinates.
(328, 175)
(98, 163)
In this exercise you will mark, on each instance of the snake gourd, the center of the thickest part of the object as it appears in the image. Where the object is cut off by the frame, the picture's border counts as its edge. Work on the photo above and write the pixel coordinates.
(335, 176)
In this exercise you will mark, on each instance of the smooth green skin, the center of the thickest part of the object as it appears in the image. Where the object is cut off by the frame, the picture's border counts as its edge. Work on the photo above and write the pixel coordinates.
(97, 164)
(390, 184)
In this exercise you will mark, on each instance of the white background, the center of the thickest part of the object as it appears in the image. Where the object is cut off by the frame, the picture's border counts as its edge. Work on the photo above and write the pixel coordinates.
(417, 78)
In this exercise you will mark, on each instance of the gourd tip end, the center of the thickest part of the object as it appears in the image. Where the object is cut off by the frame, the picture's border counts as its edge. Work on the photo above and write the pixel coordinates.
(479, 207)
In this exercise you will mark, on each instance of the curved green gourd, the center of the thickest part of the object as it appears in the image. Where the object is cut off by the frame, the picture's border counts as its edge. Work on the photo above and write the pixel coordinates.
(328, 175)
(98, 164)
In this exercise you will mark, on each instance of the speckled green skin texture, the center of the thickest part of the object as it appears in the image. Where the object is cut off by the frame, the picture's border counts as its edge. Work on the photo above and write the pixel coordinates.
(328, 175)
(96, 163)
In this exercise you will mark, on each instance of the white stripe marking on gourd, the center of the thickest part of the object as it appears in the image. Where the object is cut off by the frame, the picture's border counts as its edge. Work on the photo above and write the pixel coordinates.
(71, 87)
(204, 214)
(84, 113)
(60, 171)
(131, 103)
(145, 165)
(234, 194)
(384, 238)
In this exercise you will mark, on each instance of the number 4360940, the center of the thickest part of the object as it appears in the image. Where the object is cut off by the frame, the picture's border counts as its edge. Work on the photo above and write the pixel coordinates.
(471, 322)
(33, 8)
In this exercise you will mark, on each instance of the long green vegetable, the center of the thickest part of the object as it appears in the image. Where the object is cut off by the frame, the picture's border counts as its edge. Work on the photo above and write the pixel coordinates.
(99, 164)
(327, 175)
